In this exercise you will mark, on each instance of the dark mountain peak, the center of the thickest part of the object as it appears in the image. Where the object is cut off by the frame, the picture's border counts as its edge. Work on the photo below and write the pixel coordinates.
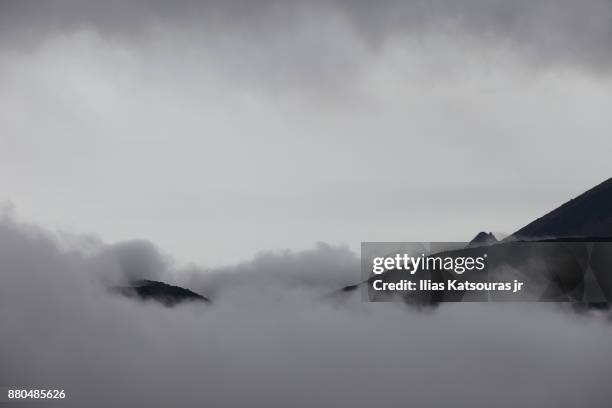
(169, 295)
(588, 215)
(482, 238)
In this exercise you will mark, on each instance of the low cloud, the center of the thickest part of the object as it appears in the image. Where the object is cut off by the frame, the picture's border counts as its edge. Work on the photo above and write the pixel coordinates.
(270, 339)
(298, 39)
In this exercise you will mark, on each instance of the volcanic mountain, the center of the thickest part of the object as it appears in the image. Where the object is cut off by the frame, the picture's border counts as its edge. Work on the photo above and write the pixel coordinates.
(588, 215)
(572, 264)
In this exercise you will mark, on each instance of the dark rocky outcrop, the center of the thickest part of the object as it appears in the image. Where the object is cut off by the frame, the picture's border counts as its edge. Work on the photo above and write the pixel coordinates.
(168, 295)
(482, 238)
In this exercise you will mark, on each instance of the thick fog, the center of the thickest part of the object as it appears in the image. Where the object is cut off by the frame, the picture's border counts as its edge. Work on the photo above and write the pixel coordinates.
(274, 337)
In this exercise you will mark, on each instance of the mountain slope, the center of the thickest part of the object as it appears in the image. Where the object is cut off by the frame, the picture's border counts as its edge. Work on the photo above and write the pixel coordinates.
(588, 215)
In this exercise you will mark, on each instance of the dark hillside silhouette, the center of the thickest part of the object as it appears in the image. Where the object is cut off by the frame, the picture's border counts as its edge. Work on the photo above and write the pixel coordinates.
(588, 215)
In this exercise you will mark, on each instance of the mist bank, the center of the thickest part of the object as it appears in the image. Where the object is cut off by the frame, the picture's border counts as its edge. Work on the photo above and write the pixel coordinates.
(271, 339)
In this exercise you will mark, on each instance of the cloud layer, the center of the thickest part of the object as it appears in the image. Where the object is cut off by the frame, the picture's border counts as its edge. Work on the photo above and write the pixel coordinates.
(324, 35)
(275, 340)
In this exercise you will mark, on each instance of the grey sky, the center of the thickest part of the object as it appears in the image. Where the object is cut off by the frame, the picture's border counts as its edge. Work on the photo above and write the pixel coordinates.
(219, 129)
